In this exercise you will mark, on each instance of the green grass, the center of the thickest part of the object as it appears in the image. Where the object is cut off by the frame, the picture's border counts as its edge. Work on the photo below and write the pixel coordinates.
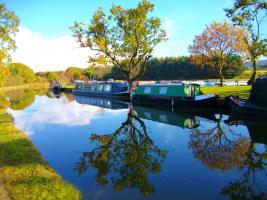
(25, 174)
(247, 74)
(69, 86)
(25, 86)
(222, 92)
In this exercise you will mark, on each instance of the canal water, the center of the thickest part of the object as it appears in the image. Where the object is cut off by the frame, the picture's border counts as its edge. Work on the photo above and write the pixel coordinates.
(109, 150)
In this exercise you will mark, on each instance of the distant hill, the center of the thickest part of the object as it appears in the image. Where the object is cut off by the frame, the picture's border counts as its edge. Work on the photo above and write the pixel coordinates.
(261, 64)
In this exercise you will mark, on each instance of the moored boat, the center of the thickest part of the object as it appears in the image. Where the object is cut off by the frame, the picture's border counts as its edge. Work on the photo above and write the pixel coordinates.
(257, 102)
(172, 95)
(56, 86)
(113, 90)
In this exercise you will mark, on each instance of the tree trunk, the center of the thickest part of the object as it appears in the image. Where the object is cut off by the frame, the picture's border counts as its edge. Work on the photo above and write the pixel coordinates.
(254, 71)
(221, 77)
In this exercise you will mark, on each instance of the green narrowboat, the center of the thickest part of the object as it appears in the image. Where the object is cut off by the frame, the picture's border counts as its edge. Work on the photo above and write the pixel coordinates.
(172, 95)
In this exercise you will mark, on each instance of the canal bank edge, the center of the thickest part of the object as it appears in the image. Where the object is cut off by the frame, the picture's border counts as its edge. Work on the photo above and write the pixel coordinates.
(25, 174)
(3, 192)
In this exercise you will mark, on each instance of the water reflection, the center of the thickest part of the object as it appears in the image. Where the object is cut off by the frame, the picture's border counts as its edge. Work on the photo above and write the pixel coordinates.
(210, 155)
(125, 157)
(218, 146)
(247, 185)
(61, 109)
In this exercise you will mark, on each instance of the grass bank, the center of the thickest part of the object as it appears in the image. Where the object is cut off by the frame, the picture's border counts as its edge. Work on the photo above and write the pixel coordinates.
(241, 91)
(33, 85)
(247, 74)
(25, 174)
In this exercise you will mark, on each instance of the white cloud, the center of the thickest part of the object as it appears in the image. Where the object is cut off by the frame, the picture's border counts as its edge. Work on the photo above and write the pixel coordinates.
(169, 47)
(42, 54)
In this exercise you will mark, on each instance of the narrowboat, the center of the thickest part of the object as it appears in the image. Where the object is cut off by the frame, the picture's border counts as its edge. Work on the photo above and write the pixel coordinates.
(56, 86)
(172, 95)
(103, 103)
(112, 90)
(256, 104)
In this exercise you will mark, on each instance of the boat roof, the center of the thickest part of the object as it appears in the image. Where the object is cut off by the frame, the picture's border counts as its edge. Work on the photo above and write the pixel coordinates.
(171, 84)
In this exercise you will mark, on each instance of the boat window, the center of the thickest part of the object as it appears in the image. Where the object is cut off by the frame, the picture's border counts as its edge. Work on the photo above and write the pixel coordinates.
(147, 90)
(147, 115)
(163, 118)
(163, 90)
(107, 88)
(191, 91)
(99, 88)
(93, 87)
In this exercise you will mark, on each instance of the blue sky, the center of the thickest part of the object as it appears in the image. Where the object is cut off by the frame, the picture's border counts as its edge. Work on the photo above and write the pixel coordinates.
(182, 19)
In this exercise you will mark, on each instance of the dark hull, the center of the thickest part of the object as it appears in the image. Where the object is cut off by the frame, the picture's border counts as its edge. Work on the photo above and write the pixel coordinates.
(244, 107)
(173, 102)
(119, 95)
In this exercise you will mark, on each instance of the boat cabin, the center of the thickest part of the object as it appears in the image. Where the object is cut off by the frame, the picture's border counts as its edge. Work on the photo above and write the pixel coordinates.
(102, 87)
(174, 90)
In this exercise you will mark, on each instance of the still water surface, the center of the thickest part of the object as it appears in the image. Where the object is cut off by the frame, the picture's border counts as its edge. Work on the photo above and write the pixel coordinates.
(110, 151)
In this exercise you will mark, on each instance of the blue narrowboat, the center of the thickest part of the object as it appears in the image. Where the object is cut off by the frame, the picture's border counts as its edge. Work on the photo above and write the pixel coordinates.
(112, 90)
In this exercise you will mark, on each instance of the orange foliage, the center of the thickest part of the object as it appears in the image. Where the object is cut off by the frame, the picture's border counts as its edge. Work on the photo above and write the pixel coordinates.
(217, 43)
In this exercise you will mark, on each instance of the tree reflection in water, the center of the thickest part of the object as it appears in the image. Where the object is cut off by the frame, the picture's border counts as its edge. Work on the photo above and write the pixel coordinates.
(124, 158)
(219, 147)
(246, 186)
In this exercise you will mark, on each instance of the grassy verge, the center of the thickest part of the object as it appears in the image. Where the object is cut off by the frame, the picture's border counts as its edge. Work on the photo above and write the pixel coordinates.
(241, 91)
(33, 85)
(25, 174)
(247, 74)
(68, 86)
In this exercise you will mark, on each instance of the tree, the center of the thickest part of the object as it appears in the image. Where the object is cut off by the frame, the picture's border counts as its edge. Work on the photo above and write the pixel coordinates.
(251, 14)
(23, 71)
(216, 45)
(74, 73)
(126, 38)
(9, 23)
(52, 76)
(4, 73)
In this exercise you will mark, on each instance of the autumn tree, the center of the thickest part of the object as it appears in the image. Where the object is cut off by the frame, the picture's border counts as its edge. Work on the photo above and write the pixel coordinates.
(52, 76)
(125, 38)
(215, 47)
(74, 73)
(251, 14)
(9, 23)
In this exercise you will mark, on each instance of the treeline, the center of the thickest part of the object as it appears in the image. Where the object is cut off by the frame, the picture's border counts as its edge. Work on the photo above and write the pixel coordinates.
(180, 68)
(16, 74)
(169, 68)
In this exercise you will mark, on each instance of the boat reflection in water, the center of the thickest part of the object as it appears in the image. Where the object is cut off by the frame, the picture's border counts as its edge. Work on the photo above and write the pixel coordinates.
(103, 103)
(183, 120)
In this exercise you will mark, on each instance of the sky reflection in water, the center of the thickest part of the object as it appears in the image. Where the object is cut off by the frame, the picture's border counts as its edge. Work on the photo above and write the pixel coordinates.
(142, 153)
